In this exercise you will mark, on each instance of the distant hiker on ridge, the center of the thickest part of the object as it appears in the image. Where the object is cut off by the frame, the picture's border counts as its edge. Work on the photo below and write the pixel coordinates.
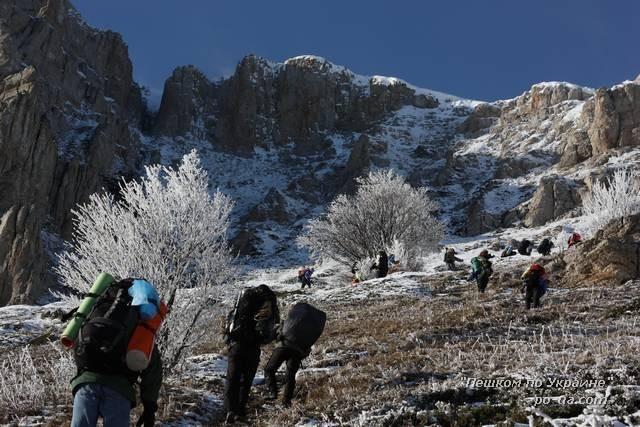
(381, 264)
(525, 247)
(574, 239)
(544, 248)
(450, 258)
(481, 269)
(535, 284)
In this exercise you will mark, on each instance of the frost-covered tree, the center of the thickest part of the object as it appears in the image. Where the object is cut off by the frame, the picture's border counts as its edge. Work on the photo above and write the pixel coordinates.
(167, 228)
(384, 213)
(616, 197)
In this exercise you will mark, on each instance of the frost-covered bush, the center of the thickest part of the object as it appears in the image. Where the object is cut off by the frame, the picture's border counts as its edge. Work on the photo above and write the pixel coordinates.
(29, 383)
(385, 212)
(166, 228)
(616, 197)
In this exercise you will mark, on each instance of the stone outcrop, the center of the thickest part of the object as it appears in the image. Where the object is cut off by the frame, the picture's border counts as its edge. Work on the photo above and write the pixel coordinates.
(298, 101)
(188, 105)
(612, 255)
(274, 207)
(616, 118)
(482, 117)
(554, 197)
(67, 99)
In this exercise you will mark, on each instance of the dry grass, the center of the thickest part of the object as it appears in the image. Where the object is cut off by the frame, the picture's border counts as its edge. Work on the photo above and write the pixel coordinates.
(391, 352)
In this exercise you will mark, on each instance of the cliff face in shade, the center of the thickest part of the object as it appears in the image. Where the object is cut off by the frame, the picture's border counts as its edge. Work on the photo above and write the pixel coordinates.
(67, 100)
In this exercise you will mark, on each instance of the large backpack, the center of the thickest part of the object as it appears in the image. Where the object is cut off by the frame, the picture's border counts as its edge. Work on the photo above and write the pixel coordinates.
(102, 340)
(254, 317)
(523, 247)
(303, 326)
(544, 246)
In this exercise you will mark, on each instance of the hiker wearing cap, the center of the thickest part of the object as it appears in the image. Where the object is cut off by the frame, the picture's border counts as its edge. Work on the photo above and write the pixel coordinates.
(481, 269)
(107, 367)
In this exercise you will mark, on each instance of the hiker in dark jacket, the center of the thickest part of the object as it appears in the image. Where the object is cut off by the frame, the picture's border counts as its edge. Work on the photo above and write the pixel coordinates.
(544, 248)
(108, 391)
(450, 258)
(296, 335)
(535, 285)
(381, 264)
(250, 324)
(481, 269)
(525, 247)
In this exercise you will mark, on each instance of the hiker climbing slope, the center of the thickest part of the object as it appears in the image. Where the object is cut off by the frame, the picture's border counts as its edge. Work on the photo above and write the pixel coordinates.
(114, 348)
(481, 269)
(535, 284)
(250, 324)
(381, 265)
(300, 330)
(450, 258)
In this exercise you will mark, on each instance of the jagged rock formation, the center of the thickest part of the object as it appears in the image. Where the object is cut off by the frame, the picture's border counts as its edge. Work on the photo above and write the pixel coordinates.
(188, 105)
(298, 101)
(612, 255)
(554, 197)
(67, 98)
(282, 139)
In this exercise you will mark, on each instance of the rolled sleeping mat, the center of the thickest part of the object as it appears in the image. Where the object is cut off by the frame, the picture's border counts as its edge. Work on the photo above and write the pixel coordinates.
(140, 347)
(70, 333)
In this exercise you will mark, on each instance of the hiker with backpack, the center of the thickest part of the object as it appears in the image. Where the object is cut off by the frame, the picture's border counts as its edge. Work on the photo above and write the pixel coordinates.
(250, 324)
(113, 349)
(544, 248)
(525, 247)
(574, 239)
(450, 258)
(535, 284)
(481, 270)
(297, 334)
(381, 264)
(306, 277)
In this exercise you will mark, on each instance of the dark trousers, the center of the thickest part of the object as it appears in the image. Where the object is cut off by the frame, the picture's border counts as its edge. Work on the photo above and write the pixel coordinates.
(306, 282)
(279, 356)
(242, 367)
(482, 280)
(532, 296)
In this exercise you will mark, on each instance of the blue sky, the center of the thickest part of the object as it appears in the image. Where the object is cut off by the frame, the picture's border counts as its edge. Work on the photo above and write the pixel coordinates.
(480, 49)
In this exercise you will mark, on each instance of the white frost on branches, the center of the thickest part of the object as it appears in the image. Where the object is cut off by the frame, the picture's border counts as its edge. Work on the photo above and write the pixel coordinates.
(168, 229)
(384, 213)
(617, 197)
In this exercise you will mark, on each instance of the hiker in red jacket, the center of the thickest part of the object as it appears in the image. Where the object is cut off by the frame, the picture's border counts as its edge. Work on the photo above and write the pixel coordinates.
(535, 284)
(574, 239)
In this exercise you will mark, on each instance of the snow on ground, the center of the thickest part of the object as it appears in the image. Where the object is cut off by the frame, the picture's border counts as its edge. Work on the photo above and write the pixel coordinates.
(21, 324)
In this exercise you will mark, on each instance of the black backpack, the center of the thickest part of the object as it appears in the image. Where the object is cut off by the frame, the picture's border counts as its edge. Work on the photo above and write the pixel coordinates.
(103, 338)
(523, 247)
(544, 246)
(303, 326)
(254, 317)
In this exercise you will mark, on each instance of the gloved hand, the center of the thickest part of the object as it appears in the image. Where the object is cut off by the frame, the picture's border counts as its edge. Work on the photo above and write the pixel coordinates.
(148, 417)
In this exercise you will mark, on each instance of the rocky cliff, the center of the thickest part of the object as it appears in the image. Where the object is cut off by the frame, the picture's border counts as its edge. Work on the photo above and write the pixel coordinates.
(281, 138)
(67, 101)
